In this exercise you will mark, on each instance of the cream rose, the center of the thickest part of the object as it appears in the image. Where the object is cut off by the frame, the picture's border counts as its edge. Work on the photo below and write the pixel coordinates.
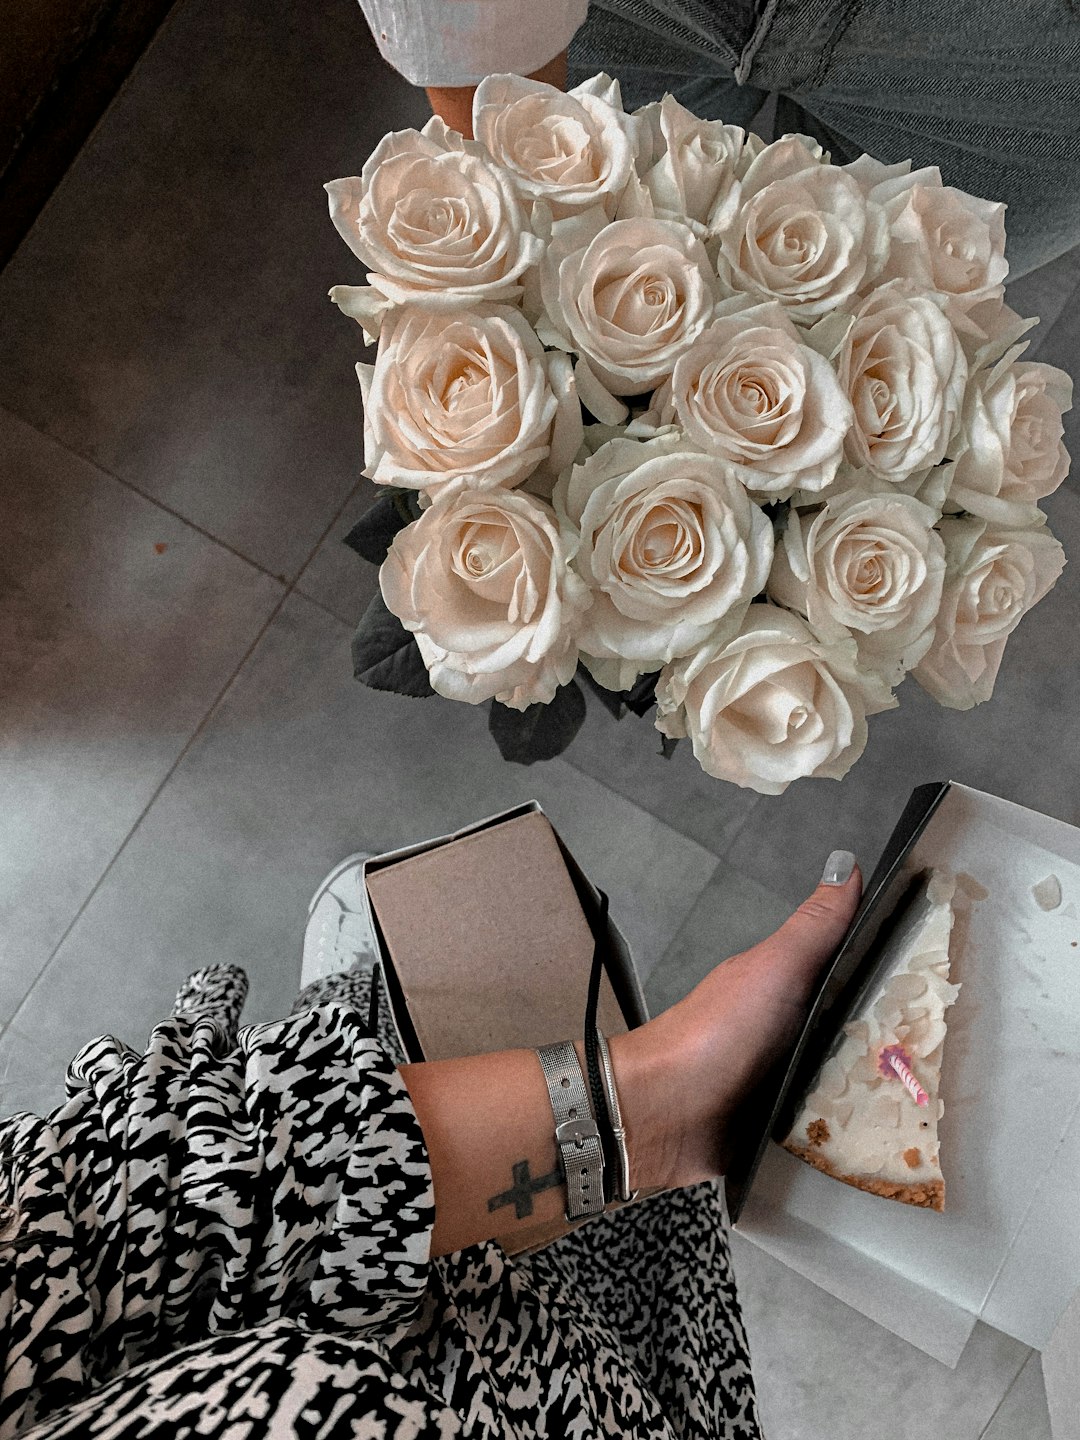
(904, 371)
(772, 704)
(670, 546)
(628, 297)
(466, 398)
(435, 221)
(869, 565)
(801, 232)
(484, 583)
(994, 576)
(1013, 452)
(572, 150)
(940, 238)
(696, 164)
(752, 393)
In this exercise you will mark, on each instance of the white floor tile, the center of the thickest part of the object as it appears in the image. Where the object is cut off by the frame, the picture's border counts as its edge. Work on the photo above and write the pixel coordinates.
(1022, 1415)
(336, 576)
(625, 754)
(299, 766)
(732, 913)
(119, 626)
(168, 318)
(824, 1372)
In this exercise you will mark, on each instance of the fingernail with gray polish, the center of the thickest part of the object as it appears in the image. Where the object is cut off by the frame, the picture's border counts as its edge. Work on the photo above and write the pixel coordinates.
(838, 868)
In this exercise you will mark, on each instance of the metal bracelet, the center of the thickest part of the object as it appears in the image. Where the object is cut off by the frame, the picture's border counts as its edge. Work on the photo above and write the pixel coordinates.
(576, 1132)
(623, 1191)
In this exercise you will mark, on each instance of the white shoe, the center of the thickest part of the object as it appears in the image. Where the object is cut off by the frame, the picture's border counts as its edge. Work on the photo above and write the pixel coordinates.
(338, 934)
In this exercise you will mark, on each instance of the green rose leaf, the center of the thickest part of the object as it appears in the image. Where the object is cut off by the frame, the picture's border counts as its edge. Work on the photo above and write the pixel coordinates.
(642, 697)
(385, 656)
(542, 731)
(373, 534)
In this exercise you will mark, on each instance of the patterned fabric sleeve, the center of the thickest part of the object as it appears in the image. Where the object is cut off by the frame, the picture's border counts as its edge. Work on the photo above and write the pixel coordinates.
(215, 1183)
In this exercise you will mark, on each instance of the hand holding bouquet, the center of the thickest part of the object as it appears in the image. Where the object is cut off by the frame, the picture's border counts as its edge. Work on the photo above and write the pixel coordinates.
(716, 425)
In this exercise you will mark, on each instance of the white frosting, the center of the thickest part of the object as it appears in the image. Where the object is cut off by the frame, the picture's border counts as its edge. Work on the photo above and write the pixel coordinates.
(871, 1121)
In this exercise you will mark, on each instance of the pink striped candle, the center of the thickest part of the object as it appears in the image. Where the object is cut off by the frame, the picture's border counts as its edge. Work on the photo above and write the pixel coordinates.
(894, 1061)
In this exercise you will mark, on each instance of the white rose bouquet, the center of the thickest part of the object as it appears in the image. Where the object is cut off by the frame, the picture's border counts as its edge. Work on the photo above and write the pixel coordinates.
(717, 427)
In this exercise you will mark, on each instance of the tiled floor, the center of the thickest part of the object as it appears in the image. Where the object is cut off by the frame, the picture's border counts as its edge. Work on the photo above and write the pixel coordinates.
(183, 752)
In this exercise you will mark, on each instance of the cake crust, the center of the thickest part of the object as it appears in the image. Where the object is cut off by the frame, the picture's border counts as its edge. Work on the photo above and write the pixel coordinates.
(870, 1119)
(928, 1194)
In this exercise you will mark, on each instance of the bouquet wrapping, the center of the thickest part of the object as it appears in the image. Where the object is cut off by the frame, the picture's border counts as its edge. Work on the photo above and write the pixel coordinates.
(713, 425)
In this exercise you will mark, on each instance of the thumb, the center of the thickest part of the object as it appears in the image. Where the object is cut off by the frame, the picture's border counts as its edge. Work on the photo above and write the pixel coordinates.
(811, 936)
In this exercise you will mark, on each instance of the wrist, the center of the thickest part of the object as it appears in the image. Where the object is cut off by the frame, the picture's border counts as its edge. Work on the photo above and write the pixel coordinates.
(453, 104)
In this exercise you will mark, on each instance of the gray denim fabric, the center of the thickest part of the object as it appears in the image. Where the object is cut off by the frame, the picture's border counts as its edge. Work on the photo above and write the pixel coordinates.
(986, 90)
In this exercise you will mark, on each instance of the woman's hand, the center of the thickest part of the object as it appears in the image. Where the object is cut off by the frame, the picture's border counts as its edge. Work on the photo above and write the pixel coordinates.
(690, 1071)
(682, 1079)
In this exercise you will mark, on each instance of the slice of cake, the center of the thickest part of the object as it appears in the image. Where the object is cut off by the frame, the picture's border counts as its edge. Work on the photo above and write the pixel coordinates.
(871, 1118)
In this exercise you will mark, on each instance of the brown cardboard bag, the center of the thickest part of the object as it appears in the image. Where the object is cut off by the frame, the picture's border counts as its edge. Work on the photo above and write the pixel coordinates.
(487, 939)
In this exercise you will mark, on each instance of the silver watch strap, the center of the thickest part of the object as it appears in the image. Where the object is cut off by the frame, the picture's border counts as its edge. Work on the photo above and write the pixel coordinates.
(576, 1133)
(623, 1191)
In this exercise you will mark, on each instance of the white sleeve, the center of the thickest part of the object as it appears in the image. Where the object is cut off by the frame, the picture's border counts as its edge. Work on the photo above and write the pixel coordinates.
(458, 42)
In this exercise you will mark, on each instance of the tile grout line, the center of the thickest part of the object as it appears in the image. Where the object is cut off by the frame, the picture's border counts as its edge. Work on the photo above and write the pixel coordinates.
(188, 743)
(315, 549)
(683, 923)
(330, 525)
(191, 524)
(640, 805)
(1011, 1386)
(289, 589)
(150, 499)
(648, 810)
(214, 539)
(321, 605)
(183, 519)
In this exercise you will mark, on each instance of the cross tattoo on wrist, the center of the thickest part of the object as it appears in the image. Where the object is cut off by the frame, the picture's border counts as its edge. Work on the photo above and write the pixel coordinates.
(525, 1187)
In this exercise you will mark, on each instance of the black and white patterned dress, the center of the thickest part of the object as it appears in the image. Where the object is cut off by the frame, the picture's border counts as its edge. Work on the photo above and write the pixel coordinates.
(228, 1236)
